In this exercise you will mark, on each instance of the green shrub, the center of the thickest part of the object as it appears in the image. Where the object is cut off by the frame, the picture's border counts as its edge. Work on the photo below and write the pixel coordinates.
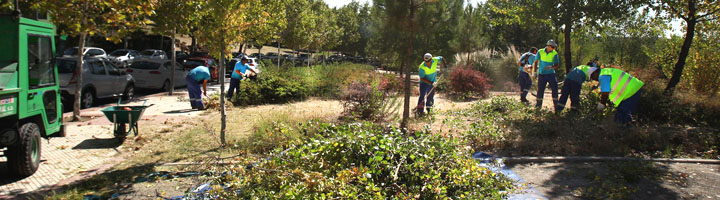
(270, 88)
(365, 161)
(369, 101)
(690, 109)
(286, 84)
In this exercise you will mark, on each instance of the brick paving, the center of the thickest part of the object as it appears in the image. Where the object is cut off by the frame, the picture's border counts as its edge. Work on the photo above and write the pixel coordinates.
(84, 148)
(88, 145)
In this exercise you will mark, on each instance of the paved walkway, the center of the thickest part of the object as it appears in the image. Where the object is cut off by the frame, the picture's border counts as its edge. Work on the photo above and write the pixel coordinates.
(89, 144)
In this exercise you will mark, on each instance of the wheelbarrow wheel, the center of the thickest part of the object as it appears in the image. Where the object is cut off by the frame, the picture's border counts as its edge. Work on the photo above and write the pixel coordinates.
(120, 133)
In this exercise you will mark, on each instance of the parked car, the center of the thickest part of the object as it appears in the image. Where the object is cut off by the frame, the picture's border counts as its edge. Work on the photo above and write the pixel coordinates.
(258, 56)
(271, 56)
(335, 59)
(154, 54)
(87, 51)
(200, 54)
(254, 63)
(237, 54)
(181, 56)
(210, 63)
(288, 58)
(123, 57)
(155, 74)
(100, 80)
(305, 59)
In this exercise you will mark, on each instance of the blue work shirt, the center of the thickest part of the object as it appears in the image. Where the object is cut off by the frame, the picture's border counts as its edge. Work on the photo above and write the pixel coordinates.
(430, 77)
(239, 67)
(605, 82)
(200, 73)
(530, 60)
(543, 64)
(576, 75)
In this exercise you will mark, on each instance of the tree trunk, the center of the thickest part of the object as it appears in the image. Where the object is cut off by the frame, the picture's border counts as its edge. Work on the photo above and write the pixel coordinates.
(568, 31)
(78, 77)
(222, 99)
(406, 67)
(162, 41)
(193, 44)
(172, 62)
(684, 51)
(278, 58)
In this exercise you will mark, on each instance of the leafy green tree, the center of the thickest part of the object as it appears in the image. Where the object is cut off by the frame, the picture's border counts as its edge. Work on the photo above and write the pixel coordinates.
(692, 12)
(83, 18)
(223, 27)
(569, 14)
(267, 19)
(352, 18)
(325, 33)
(177, 17)
(512, 23)
(300, 18)
(466, 37)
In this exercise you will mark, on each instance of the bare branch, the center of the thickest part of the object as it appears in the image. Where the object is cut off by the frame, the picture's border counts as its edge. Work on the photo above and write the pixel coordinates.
(673, 10)
(709, 13)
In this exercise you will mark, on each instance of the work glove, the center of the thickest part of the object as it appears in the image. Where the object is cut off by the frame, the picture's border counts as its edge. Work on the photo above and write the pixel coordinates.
(600, 107)
(435, 84)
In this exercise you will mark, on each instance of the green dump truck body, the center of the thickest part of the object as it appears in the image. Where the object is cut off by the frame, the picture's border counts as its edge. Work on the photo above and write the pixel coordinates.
(30, 105)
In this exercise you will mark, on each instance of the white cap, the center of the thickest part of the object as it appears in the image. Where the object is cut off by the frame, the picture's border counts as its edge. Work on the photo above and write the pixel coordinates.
(427, 55)
(590, 72)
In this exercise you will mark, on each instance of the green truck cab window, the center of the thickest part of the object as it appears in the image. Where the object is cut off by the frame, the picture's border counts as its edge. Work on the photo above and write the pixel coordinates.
(40, 57)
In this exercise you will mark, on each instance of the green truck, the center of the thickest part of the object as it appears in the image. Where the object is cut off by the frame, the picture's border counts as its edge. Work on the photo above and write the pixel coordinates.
(30, 106)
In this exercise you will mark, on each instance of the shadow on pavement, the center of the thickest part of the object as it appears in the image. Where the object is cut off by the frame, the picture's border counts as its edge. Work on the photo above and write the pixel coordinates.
(98, 143)
(607, 180)
(180, 111)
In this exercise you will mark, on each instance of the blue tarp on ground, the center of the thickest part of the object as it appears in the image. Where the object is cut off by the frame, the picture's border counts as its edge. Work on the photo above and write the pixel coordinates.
(496, 164)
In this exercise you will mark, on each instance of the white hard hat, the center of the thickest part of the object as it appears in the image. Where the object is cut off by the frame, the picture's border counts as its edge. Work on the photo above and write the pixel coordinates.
(590, 72)
(427, 56)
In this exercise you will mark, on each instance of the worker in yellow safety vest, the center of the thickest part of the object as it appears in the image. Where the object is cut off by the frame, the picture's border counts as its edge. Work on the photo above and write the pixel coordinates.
(622, 89)
(428, 78)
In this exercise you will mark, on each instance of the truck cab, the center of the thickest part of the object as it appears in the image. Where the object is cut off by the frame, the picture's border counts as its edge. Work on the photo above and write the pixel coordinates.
(30, 106)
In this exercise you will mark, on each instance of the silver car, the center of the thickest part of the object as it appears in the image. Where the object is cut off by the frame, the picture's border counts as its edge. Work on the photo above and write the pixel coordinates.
(154, 54)
(100, 80)
(123, 57)
(155, 74)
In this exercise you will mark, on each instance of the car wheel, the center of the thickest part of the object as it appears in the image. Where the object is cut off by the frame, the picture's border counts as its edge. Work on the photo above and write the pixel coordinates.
(24, 158)
(129, 93)
(88, 98)
(166, 86)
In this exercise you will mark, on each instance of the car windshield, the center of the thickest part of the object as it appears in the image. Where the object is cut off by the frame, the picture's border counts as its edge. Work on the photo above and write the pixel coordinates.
(195, 63)
(144, 65)
(148, 53)
(119, 53)
(71, 52)
(66, 66)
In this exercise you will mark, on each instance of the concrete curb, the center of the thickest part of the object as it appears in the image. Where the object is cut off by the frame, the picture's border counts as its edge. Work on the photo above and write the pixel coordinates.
(527, 159)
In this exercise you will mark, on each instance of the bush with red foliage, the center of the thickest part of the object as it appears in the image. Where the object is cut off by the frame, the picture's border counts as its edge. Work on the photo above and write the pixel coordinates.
(468, 82)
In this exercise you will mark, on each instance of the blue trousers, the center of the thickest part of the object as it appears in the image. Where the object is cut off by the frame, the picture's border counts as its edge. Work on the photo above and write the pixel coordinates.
(195, 93)
(543, 80)
(525, 84)
(234, 87)
(570, 89)
(425, 92)
(627, 108)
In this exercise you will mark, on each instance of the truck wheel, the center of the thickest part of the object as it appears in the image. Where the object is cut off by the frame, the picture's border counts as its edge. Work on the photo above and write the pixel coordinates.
(24, 158)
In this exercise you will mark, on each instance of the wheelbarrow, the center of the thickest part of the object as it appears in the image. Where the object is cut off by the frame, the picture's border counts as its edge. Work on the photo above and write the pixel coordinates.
(124, 119)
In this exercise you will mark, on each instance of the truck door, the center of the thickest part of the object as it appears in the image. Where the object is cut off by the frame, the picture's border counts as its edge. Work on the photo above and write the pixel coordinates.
(42, 96)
